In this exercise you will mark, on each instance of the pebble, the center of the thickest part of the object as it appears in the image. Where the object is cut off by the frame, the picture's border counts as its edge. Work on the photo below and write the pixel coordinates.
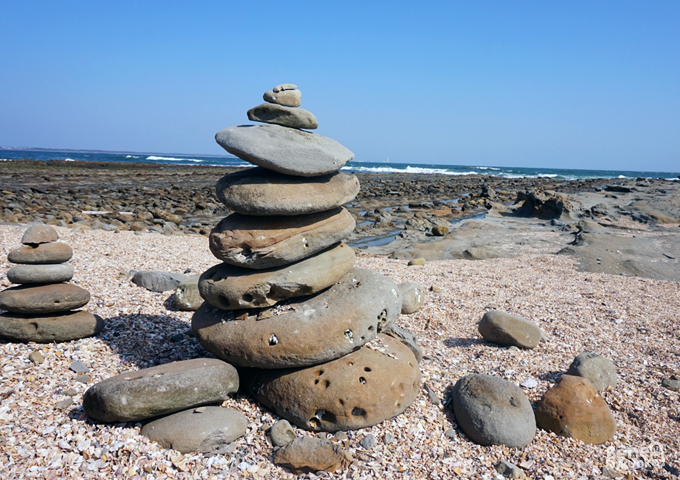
(282, 433)
(388, 438)
(36, 357)
(64, 404)
(432, 395)
(368, 442)
(672, 383)
(83, 378)
(78, 367)
(509, 470)
(69, 392)
(450, 433)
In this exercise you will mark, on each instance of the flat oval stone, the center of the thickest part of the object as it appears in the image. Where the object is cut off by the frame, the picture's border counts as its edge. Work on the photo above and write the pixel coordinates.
(41, 299)
(265, 242)
(59, 327)
(41, 254)
(230, 288)
(285, 150)
(374, 383)
(198, 430)
(39, 233)
(160, 390)
(284, 116)
(55, 273)
(306, 331)
(507, 329)
(287, 97)
(258, 191)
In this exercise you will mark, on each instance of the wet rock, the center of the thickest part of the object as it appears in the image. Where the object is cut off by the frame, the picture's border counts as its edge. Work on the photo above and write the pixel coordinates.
(43, 299)
(44, 253)
(187, 297)
(493, 411)
(282, 433)
(309, 454)
(287, 117)
(598, 370)
(60, 327)
(258, 191)
(507, 329)
(160, 390)
(305, 331)
(412, 297)
(230, 288)
(355, 391)
(156, 281)
(199, 430)
(24, 274)
(266, 242)
(285, 150)
(573, 408)
(38, 233)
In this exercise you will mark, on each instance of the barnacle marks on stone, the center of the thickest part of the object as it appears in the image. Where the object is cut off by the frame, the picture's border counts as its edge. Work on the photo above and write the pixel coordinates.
(258, 191)
(265, 242)
(358, 390)
(230, 288)
(303, 332)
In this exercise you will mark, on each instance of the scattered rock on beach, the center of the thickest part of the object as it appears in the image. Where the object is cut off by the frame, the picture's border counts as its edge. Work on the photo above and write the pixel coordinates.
(156, 281)
(187, 296)
(598, 370)
(412, 297)
(507, 329)
(310, 454)
(282, 433)
(416, 261)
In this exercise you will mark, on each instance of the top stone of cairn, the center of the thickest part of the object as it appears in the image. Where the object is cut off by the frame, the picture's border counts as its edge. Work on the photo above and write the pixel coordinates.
(38, 234)
(285, 94)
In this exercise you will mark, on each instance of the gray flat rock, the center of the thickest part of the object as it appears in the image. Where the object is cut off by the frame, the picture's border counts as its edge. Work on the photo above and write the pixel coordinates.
(24, 274)
(59, 327)
(265, 242)
(493, 411)
(39, 233)
(198, 430)
(284, 116)
(230, 288)
(507, 329)
(303, 332)
(43, 299)
(285, 150)
(355, 391)
(156, 281)
(41, 254)
(160, 390)
(258, 191)
(288, 98)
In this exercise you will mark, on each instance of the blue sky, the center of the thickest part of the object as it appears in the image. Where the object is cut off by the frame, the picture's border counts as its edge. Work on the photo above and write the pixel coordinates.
(578, 84)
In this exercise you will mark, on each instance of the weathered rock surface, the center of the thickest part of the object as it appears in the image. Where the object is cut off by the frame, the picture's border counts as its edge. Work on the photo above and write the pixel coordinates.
(258, 191)
(41, 254)
(282, 433)
(265, 242)
(230, 288)
(160, 390)
(285, 150)
(493, 411)
(598, 370)
(39, 233)
(355, 391)
(310, 454)
(156, 281)
(412, 297)
(573, 408)
(60, 327)
(407, 338)
(286, 97)
(42, 299)
(40, 274)
(284, 86)
(187, 297)
(198, 430)
(507, 329)
(284, 116)
(305, 331)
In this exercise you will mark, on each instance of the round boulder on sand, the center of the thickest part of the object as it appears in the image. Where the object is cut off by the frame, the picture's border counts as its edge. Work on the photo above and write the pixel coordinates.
(493, 411)
(507, 329)
(573, 408)
(598, 370)
(305, 331)
(361, 389)
(41, 254)
(58, 327)
(266, 242)
(258, 191)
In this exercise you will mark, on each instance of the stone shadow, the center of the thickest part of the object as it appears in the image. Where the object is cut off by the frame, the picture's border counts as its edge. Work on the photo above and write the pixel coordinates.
(459, 342)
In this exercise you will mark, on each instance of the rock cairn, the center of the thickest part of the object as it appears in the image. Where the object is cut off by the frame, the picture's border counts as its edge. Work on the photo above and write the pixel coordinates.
(287, 300)
(43, 307)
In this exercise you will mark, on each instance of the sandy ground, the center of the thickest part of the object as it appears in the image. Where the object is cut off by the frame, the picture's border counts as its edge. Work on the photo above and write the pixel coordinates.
(632, 321)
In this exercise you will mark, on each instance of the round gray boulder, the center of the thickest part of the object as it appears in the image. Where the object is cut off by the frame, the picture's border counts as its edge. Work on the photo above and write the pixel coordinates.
(599, 370)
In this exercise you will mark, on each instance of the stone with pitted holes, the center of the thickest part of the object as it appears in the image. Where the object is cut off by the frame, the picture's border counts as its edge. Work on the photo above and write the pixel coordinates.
(160, 390)
(285, 150)
(38, 233)
(24, 274)
(374, 383)
(197, 430)
(305, 331)
(258, 191)
(44, 253)
(507, 329)
(284, 116)
(43, 299)
(231, 288)
(58, 327)
(266, 242)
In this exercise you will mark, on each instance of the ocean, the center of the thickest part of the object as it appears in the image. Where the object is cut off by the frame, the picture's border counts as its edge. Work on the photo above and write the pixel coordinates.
(9, 154)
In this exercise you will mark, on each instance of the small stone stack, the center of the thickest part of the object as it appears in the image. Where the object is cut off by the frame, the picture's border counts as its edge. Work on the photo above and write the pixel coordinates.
(287, 299)
(42, 308)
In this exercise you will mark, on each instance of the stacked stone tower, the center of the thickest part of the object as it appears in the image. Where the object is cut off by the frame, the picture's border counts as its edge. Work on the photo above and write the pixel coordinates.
(287, 300)
(42, 308)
